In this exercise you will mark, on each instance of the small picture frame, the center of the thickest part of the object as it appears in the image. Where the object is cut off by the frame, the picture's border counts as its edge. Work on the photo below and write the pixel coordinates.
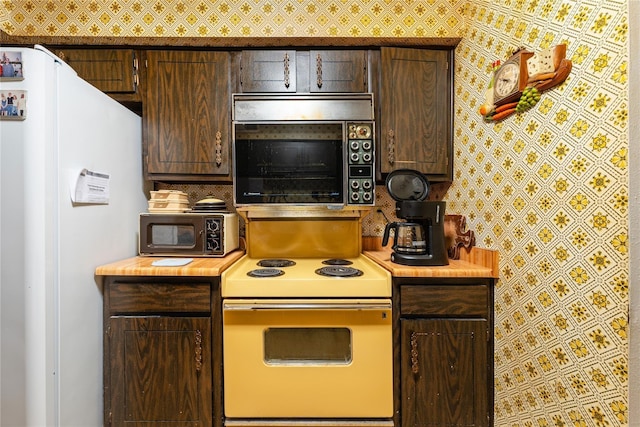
(13, 104)
(11, 66)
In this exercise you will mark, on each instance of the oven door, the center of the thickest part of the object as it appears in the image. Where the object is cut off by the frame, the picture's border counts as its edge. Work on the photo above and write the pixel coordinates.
(289, 163)
(308, 358)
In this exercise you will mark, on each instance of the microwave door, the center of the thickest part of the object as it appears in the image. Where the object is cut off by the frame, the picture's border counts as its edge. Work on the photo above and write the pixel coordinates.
(170, 235)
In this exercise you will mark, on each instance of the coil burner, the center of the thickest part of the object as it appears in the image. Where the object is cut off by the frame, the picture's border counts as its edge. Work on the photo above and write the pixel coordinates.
(276, 263)
(339, 271)
(337, 261)
(265, 272)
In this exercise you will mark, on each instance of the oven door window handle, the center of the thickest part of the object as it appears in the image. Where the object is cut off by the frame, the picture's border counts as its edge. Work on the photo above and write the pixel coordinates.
(305, 306)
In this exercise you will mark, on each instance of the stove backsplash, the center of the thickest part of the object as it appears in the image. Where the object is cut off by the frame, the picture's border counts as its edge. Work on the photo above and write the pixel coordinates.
(372, 225)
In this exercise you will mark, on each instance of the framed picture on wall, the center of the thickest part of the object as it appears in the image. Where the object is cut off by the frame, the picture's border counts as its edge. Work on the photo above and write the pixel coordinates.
(11, 66)
(13, 104)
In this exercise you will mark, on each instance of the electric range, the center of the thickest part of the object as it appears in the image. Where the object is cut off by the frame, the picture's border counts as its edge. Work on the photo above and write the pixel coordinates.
(357, 277)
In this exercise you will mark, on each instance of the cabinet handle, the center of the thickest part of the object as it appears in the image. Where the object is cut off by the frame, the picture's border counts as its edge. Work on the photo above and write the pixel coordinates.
(218, 148)
(286, 70)
(391, 146)
(319, 71)
(136, 82)
(414, 353)
(198, 350)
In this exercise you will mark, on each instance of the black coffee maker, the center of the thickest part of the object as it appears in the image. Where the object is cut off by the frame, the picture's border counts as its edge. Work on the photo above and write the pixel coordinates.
(419, 241)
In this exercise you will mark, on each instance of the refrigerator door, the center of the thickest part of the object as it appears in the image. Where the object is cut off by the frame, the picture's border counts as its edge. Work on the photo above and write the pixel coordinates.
(70, 126)
(25, 275)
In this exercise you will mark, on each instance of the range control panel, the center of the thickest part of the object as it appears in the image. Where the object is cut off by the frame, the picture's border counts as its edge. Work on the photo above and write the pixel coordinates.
(361, 158)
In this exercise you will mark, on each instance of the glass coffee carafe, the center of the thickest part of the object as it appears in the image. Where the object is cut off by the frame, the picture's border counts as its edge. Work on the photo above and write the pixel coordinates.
(409, 237)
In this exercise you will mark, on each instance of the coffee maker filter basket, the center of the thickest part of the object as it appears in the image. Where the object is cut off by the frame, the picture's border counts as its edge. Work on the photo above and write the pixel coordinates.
(407, 185)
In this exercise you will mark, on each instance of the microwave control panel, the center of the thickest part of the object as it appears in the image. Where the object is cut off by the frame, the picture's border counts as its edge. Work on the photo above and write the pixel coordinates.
(213, 242)
(360, 163)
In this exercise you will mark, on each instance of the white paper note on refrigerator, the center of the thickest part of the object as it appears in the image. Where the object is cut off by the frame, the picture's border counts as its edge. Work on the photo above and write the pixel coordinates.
(90, 187)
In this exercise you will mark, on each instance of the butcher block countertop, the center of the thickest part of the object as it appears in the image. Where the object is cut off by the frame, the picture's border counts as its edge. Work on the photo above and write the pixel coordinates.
(141, 266)
(481, 263)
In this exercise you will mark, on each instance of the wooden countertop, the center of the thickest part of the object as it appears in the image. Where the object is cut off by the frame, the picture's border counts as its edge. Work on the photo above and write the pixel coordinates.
(141, 266)
(477, 262)
(482, 263)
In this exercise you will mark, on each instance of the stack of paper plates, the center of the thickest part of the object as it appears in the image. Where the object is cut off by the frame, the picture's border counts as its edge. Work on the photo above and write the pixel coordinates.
(168, 201)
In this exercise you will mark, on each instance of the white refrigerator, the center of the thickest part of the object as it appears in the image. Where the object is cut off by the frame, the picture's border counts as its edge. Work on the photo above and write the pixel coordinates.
(50, 300)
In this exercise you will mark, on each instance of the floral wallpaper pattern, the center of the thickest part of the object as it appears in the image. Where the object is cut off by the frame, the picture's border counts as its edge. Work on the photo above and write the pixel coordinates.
(547, 188)
(238, 18)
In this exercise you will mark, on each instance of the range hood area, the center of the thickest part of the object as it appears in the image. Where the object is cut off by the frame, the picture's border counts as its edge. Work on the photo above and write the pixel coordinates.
(274, 107)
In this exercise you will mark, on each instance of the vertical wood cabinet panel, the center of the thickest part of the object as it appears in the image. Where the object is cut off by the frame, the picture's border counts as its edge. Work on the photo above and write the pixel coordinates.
(161, 370)
(187, 115)
(445, 364)
(416, 104)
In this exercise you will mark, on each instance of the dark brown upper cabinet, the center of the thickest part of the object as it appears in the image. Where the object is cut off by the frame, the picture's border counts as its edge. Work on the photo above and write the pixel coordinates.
(187, 116)
(110, 70)
(115, 72)
(313, 71)
(416, 106)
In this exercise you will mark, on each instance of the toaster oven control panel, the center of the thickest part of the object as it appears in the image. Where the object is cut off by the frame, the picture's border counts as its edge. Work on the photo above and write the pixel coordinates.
(213, 241)
(360, 152)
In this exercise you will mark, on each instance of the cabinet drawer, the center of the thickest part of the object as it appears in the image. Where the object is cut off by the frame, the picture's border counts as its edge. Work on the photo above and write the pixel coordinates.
(159, 297)
(461, 301)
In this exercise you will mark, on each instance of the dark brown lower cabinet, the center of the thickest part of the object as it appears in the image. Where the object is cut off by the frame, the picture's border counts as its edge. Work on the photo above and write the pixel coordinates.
(445, 354)
(162, 353)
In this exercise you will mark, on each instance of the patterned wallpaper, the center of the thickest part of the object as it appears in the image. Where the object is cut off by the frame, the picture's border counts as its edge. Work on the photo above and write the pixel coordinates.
(547, 188)
(237, 18)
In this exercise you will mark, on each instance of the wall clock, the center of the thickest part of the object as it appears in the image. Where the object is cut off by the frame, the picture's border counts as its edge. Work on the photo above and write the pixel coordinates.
(511, 78)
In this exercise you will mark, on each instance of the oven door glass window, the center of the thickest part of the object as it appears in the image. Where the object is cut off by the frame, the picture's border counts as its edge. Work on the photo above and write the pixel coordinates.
(173, 235)
(291, 346)
(289, 163)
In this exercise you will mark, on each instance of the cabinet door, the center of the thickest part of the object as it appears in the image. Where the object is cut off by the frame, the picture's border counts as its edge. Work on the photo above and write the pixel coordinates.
(186, 117)
(110, 70)
(337, 71)
(268, 71)
(416, 105)
(160, 371)
(444, 372)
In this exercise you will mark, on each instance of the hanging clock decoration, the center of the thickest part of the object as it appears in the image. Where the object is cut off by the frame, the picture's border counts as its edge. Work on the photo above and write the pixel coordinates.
(511, 78)
(517, 83)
